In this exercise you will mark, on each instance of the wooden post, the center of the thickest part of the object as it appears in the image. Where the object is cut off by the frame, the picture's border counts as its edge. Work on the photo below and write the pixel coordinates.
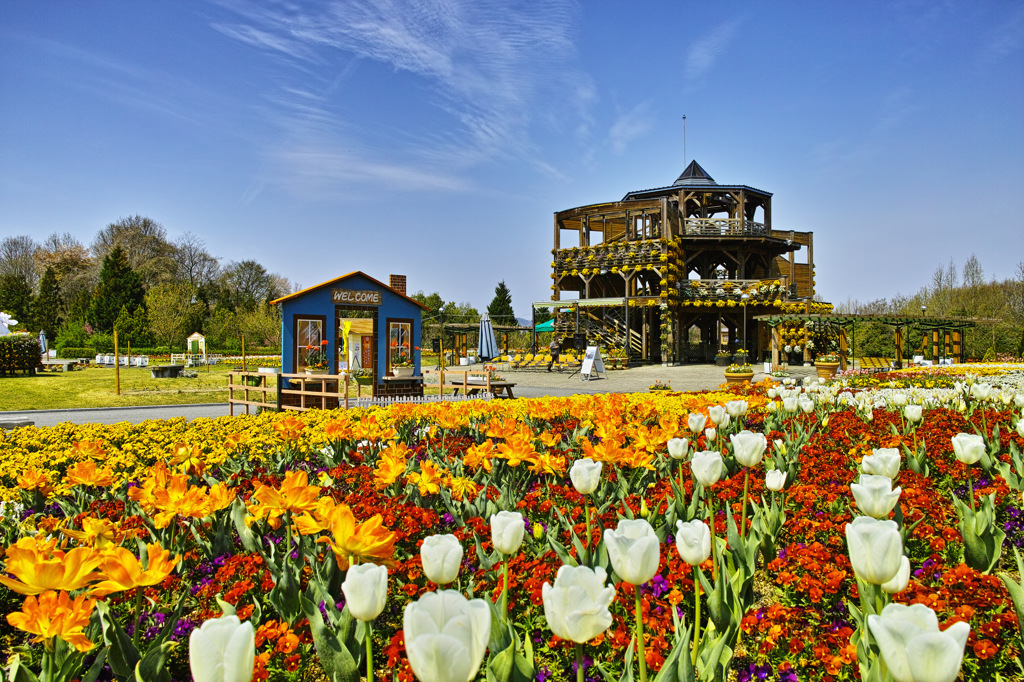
(899, 347)
(117, 367)
(129, 363)
(346, 390)
(231, 394)
(842, 348)
(935, 346)
(957, 346)
(243, 357)
(776, 342)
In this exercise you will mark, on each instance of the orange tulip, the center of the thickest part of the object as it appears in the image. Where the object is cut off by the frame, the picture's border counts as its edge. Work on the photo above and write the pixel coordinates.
(38, 566)
(89, 449)
(428, 480)
(33, 479)
(294, 495)
(122, 570)
(351, 542)
(188, 459)
(86, 473)
(54, 614)
(289, 427)
(98, 533)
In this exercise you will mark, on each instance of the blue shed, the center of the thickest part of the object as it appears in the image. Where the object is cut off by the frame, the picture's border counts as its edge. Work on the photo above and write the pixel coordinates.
(382, 324)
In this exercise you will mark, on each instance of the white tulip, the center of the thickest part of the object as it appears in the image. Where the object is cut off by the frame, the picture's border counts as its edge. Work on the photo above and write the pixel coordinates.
(507, 531)
(585, 475)
(711, 433)
(913, 647)
(748, 447)
(706, 466)
(790, 404)
(576, 606)
(912, 413)
(634, 550)
(1020, 427)
(695, 422)
(875, 495)
(693, 541)
(981, 391)
(677, 447)
(806, 404)
(875, 549)
(968, 447)
(772, 406)
(900, 580)
(736, 408)
(366, 590)
(899, 399)
(772, 393)
(446, 636)
(222, 650)
(441, 556)
(719, 416)
(775, 480)
(882, 462)
(1018, 400)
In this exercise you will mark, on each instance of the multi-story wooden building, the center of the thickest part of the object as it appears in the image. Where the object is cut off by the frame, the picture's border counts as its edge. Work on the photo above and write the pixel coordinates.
(677, 273)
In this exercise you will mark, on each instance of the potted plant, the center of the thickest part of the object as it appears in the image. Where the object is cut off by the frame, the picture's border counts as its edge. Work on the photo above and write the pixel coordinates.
(316, 358)
(738, 373)
(722, 358)
(363, 377)
(402, 365)
(827, 365)
(741, 357)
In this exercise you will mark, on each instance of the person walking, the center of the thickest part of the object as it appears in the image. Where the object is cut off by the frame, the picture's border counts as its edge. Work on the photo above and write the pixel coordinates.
(554, 348)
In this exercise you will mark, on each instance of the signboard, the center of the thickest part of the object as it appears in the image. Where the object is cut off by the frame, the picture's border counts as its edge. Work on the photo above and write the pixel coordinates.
(592, 362)
(352, 296)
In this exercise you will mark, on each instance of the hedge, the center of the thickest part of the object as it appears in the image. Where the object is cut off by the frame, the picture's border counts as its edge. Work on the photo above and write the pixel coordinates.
(19, 352)
(76, 352)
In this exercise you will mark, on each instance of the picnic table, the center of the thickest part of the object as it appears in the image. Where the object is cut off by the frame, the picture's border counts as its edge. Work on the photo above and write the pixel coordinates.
(165, 371)
(501, 389)
(65, 365)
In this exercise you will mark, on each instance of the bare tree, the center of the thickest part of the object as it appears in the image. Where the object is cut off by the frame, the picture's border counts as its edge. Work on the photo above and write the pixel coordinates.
(145, 244)
(18, 259)
(195, 264)
(974, 276)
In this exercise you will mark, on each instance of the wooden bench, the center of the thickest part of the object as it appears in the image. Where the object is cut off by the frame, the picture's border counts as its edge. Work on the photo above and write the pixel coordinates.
(166, 371)
(65, 365)
(874, 364)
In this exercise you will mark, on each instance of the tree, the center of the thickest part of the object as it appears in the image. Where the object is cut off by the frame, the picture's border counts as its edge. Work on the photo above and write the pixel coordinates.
(18, 258)
(46, 308)
(16, 299)
(262, 325)
(500, 310)
(247, 284)
(145, 247)
(195, 266)
(174, 311)
(75, 271)
(119, 287)
(132, 327)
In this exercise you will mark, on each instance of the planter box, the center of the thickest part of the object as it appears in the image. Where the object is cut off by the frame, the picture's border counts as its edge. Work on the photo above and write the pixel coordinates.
(722, 361)
(827, 370)
(738, 377)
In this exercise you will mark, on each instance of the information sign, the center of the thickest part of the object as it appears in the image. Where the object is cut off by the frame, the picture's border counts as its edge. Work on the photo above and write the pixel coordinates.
(592, 363)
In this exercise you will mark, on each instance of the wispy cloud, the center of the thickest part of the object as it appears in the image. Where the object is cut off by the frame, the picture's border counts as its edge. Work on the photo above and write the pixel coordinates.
(627, 127)
(705, 52)
(487, 65)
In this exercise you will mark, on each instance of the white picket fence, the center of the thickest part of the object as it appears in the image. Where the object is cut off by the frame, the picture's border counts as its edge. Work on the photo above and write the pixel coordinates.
(385, 401)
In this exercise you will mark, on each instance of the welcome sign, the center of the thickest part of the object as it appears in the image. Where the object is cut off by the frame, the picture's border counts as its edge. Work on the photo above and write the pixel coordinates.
(355, 297)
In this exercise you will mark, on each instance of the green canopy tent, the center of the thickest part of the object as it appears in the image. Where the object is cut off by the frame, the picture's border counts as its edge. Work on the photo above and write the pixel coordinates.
(548, 326)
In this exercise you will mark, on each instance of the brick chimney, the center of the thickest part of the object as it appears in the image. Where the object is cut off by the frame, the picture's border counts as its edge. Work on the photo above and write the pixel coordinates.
(397, 282)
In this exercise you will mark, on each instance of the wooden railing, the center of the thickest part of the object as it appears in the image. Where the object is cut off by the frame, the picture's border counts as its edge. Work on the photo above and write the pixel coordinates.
(323, 391)
(723, 227)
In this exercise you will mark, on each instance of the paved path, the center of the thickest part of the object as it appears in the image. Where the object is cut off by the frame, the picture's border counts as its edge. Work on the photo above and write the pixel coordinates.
(529, 384)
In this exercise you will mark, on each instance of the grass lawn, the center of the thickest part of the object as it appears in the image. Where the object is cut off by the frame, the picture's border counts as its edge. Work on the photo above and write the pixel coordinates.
(94, 387)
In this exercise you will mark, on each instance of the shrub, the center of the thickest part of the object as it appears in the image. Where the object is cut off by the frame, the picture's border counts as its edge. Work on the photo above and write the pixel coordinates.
(19, 352)
(75, 351)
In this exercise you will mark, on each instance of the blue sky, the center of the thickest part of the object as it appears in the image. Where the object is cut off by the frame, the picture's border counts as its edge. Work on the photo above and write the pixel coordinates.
(437, 138)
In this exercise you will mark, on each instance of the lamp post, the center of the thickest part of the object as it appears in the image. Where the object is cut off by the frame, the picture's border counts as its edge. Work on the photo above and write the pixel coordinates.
(923, 309)
(745, 298)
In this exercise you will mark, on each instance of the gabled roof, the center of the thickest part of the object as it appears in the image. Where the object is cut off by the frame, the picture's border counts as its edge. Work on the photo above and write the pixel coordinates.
(342, 278)
(694, 175)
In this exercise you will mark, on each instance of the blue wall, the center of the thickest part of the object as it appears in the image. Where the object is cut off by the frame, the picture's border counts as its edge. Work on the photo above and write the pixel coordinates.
(318, 302)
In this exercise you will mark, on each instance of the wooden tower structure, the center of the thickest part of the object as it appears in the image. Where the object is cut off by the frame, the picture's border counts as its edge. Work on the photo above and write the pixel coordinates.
(675, 274)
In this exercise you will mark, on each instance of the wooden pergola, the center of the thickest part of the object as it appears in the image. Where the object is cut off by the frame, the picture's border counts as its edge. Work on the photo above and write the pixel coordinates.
(943, 336)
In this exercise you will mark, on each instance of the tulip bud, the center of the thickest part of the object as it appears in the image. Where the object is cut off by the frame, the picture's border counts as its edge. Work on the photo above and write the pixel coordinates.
(222, 650)
(538, 531)
(507, 531)
(1018, 400)
(695, 422)
(706, 467)
(912, 413)
(882, 462)
(366, 590)
(441, 556)
(875, 495)
(677, 447)
(693, 541)
(634, 550)
(645, 511)
(585, 475)
(775, 480)
(914, 648)
(446, 636)
(576, 606)
(711, 433)
(780, 445)
(875, 549)
(968, 447)
(900, 580)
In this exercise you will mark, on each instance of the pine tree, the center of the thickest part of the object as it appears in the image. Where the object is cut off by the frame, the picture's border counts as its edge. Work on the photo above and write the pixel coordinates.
(119, 287)
(46, 308)
(500, 308)
(16, 299)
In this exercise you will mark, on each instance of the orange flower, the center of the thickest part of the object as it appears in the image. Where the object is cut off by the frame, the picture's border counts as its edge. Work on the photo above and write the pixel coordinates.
(98, 533)
(428, 480)
(390, 466)
(289, 427)
(478, 456)
(33, 479)
(89, 449)
(163, 497)
(86, 473)
(461, 487)
(294, 495)
(38, 566)
(516, 449)
(351, 542)
(188, 459)
(235, 440)
(54, 614)
(122, 570)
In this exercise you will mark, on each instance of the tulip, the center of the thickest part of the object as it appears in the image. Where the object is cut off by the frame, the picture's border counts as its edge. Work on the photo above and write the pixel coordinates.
(900, 580)
(366, 590)
(710, 433)
(1020, 428)
(772, 393)
(913, 647)
(882, 462)
(748, 447)
(634, 550)
(875, 549)
(677, 447)
(789, 404)
(693, 541)
(775, 480)
(968, 447)
(736, 408)
(576, 606)
(441, 556)
(538, 531)
(695, 422)
(446, 636)
(222, 650)
(706, 466)
(806, 404)
(875, 495)
(719, 416)
(507, 531)
(981, 391)
(912, 413)
(899, 399)
(585, 475)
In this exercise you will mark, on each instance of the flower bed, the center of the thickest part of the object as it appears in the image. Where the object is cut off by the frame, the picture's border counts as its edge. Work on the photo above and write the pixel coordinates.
(266, 512)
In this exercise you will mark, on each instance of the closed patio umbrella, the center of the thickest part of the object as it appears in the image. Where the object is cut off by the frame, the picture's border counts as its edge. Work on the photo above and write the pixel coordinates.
(488, 344)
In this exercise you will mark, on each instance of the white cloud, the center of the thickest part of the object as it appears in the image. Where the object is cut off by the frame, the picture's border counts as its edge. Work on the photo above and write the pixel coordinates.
(627, 127)
(705, 52)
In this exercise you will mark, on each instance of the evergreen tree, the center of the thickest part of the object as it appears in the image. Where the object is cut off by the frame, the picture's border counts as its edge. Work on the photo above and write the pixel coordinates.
(132, 328)
(46, 309)
(16, 299)
(500, 308)
(119, 287)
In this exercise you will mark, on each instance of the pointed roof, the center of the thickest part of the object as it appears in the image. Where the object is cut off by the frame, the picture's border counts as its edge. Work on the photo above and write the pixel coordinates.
(336, 280)
(694, 175)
